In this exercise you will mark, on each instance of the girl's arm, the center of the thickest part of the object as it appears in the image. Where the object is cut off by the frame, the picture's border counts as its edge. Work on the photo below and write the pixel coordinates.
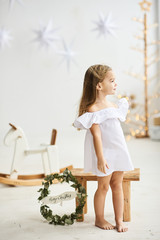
(97, 140)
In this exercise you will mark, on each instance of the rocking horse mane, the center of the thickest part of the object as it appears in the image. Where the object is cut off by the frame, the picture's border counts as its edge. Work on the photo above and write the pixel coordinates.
(12, 126)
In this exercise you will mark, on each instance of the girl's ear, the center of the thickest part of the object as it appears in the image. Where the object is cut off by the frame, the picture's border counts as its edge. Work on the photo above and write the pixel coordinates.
(99, 87)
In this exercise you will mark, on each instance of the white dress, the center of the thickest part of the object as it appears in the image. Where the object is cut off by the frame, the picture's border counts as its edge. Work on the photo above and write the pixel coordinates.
(115, 149)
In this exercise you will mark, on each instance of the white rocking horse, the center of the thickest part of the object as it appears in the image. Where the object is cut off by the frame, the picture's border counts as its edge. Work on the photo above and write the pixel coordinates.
(49, 155)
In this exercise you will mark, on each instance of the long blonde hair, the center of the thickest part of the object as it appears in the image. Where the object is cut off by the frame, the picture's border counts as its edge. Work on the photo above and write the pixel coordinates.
(93, 76)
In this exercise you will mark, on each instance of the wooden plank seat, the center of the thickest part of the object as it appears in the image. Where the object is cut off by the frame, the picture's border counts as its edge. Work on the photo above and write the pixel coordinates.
(128, 177)
(27, 180)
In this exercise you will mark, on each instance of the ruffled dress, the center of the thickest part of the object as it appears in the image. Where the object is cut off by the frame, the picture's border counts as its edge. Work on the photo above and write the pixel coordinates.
(115, 149)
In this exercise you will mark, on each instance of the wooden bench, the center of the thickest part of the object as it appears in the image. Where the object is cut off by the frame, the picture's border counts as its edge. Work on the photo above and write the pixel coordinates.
(128, 177)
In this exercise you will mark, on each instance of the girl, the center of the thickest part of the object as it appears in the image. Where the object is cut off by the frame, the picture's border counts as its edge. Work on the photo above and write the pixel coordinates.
(105, 149)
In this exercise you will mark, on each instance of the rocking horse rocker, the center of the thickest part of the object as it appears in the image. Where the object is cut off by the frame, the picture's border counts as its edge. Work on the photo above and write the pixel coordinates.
(49, 155)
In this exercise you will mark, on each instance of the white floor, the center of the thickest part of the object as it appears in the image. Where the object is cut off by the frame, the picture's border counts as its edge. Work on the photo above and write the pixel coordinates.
(21, 219)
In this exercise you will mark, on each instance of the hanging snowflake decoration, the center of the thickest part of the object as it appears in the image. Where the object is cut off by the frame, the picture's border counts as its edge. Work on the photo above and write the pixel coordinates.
(46, 35)
(68, 54)
(5, 38)
(11, 3)
(105, 25)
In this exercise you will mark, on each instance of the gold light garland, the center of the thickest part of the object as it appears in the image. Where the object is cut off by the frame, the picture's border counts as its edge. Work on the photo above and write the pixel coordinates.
(138, 119)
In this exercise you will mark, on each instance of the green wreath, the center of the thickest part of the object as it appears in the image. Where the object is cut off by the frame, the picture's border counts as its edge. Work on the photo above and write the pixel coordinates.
(46, 212)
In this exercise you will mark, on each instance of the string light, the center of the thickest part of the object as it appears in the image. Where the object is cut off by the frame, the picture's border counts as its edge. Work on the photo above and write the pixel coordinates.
(137, 20)
(140, 119)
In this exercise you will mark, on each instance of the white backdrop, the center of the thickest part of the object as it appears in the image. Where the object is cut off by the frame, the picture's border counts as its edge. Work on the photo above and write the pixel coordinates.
(36, 92)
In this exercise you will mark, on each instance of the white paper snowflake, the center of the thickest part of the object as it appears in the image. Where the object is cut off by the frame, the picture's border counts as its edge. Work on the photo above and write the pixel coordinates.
(46, 35)
(11, 3)
(68, 54)
(5, 38)
(105, 25)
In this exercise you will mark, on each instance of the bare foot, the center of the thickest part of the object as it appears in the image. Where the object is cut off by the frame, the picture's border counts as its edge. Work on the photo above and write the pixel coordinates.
(104, 224)
(120, 227)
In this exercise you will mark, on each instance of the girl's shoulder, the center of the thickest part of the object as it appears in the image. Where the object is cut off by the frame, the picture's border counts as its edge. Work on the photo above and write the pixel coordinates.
(112, 104)
(118, 110)
(95, 108)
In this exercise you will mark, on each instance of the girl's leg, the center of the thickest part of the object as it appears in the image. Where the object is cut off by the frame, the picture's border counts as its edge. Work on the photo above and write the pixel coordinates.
(118, 199)
(99, 202)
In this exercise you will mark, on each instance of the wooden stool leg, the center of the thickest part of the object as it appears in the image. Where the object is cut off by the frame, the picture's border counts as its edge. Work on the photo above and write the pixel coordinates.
(83, 182)
(80, 215)
(127, 207)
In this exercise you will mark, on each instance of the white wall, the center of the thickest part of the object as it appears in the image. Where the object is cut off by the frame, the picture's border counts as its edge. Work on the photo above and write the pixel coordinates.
(36, 92)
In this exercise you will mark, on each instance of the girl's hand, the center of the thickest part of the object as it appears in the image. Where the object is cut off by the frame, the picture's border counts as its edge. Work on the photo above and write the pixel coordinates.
(102, 164)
